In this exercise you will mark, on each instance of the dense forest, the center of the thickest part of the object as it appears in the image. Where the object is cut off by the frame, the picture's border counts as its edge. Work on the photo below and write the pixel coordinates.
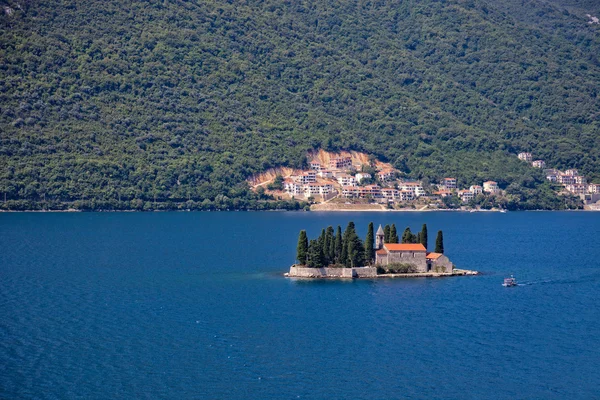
(173, 104)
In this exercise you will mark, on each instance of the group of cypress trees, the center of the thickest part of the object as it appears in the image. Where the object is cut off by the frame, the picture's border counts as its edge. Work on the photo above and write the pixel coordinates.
(348, 250)
(329, 248)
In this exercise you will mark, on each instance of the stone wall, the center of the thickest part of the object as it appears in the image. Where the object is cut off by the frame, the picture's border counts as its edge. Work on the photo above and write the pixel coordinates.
(416, 258)
(349, 273)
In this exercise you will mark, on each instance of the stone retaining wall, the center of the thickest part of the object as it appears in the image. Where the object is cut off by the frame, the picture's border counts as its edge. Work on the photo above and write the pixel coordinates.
(365, 272)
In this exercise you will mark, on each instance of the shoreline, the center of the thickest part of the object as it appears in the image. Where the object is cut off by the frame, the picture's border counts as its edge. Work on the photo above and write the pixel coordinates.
(284, 210)
(350, 276)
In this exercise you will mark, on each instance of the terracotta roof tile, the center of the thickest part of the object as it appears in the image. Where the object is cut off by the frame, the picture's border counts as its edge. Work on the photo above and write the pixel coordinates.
(404, 247)
(433, 256)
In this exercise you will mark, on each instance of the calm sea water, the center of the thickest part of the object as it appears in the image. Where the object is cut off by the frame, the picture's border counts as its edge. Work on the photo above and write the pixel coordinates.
(193, 306)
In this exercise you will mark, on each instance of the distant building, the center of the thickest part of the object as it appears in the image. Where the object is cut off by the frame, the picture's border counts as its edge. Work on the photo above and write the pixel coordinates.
(414, 187)
(476, 189)
(466, 195)
(571, 172)
(340, 163)
(577, 189)
(406, 195)
(317, 189)
(449, 183)
(491, 187)
(565, 179)
(362, 175)
(593, 188)
(315, 165)
(346, 180)
(350, 192)
(325, 173)
(525, 157)
(385, 175)
(443, 193)
(293, 188)
(306, 177)
(539, 164)
(580, 180)
(390, 194)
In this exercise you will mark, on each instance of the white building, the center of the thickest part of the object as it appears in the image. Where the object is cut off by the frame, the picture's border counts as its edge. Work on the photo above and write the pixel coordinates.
(306, 177)
(385, 175)
(316, 165)
(362, 175)
(491, 187)
(346, 180)
(539, 164)
(466, 195)
(325, 173)
(577, 189)
(449, 183)
(525, 157)
(476, 189)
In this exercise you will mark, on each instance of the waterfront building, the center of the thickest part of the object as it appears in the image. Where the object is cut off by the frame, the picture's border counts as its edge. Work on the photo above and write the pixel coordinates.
(466, 195)
(577, 189)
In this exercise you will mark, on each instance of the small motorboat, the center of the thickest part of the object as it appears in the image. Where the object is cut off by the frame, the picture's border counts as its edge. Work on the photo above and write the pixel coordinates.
(508, 282)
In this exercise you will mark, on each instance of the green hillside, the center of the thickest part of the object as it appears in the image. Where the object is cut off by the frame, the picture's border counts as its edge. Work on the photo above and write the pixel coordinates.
(113, 104)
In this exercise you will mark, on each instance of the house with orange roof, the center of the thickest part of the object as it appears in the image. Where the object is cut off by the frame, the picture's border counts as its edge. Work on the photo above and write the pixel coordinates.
(437, 262)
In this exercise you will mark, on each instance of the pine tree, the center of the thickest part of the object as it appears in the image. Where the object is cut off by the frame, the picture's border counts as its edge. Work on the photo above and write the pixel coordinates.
(423, 236)
(302, 248)
(386, 234)
(393, 234)
(407, 236)
(370, 244)
(439, 243)
(338, 245)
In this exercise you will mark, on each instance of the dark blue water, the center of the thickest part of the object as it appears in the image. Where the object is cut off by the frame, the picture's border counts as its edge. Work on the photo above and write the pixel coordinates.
(191, 305)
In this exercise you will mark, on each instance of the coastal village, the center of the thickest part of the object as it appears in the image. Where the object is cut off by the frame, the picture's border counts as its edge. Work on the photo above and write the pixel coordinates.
(570, 179)
(351, 178)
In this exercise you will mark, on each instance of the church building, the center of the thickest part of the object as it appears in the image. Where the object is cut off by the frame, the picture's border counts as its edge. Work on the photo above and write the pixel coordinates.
(409, 253)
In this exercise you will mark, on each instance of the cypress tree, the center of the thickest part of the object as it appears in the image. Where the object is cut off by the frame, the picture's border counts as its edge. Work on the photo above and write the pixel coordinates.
(321, 247)
(329, 245)
(349, 233)
(393, 234)
(312, 255)
(302, 248)
(407, 236)
(439, 243)
(356, 251)
(423, 236)
(370, 244)
(418, 238)
(386, 234)
(338, 245)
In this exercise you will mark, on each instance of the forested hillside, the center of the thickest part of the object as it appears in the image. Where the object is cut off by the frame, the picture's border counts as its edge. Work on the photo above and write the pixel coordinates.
(121, 104)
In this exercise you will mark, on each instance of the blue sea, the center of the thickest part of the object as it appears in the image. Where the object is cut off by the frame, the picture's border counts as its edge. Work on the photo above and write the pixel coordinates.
(195, 306)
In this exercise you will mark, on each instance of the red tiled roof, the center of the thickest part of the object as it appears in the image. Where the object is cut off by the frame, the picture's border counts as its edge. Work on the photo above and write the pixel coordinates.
(433, 256)
(381, 252)
(404, 247)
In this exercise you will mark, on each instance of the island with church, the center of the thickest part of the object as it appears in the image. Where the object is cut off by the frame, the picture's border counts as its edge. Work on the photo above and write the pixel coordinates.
(337, 254)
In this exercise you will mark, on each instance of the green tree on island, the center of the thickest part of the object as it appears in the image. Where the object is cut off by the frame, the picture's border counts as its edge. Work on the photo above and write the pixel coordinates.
(393, 234)
(302, 248)
(329, 248)
(423, 236)
(439, 243)
(407, 236)
(338, 245)
(386, 234)
(369, 244)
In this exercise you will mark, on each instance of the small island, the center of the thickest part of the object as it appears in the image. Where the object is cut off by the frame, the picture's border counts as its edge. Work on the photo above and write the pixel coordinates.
(382, 255)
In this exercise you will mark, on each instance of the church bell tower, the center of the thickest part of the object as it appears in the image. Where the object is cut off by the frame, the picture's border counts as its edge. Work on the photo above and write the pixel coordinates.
(379, 238)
